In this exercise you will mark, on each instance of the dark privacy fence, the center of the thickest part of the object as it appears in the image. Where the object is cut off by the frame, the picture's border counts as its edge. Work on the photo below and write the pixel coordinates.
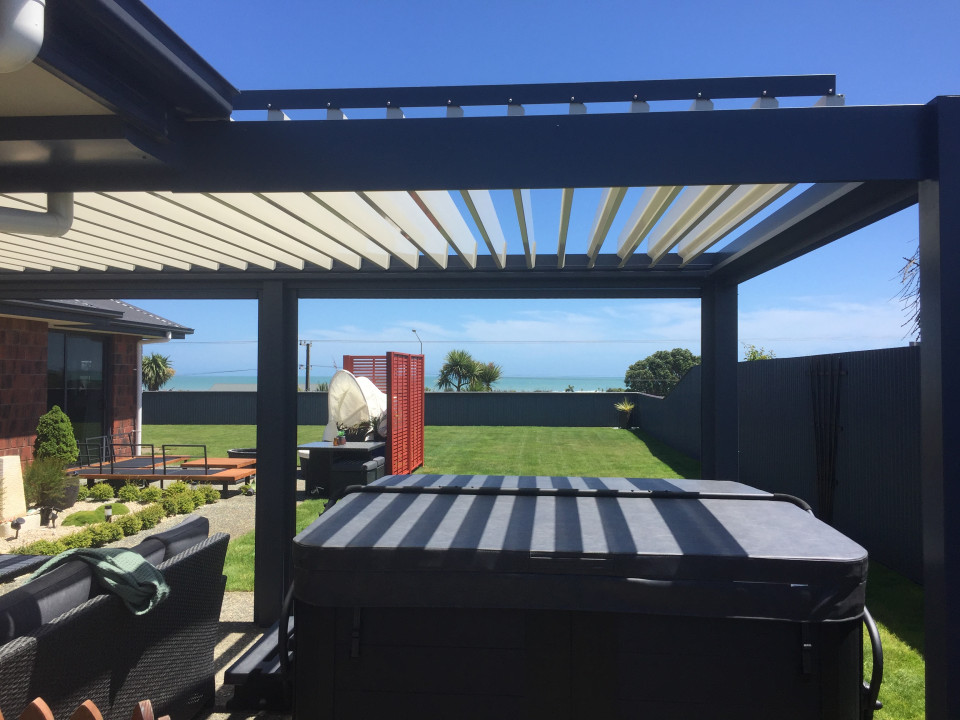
(874, 432)
(876, 463)
(853, 418)
(441, 408)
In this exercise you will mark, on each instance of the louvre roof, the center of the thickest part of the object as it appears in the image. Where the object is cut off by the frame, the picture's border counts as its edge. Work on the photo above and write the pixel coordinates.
(309, 213)
(175, 175)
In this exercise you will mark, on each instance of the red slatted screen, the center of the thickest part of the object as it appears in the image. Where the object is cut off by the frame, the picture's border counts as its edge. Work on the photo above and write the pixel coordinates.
(373, 367)
(401, 377)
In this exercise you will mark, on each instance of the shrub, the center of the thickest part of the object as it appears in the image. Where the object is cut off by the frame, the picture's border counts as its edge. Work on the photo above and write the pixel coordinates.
(88, 517)
(55, 437)
(210, 493)
(169, 504)
(103, 533)
(151, 515)
(43, 547)
(151, 494)
(176, 488)
(45, 482)
(129, 524)
(184, 503)
(81, 539)
(129, 493)
(100, 491)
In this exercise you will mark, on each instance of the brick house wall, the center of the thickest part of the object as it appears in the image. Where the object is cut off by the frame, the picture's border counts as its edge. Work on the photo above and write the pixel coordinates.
(124, 357)
(23, 384)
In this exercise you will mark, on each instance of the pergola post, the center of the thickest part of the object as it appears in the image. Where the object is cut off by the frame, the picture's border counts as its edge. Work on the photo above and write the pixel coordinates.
(940, 413)
(719, 414)
(276, 448)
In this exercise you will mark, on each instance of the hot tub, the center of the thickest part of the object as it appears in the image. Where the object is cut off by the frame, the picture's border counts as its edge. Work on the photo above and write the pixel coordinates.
(519, 597)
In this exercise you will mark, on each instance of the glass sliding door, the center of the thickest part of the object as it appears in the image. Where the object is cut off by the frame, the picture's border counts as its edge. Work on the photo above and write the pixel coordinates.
(76, 381)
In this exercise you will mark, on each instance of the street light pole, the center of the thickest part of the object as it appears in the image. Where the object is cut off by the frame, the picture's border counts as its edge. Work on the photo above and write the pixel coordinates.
(307, 345)
(421, 341)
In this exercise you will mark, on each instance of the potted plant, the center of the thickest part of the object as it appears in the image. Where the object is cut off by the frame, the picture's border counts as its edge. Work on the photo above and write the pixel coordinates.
(624, 411)
(356, 433)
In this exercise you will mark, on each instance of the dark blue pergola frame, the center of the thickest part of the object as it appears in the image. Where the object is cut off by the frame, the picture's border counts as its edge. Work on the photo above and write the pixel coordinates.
(170, 132)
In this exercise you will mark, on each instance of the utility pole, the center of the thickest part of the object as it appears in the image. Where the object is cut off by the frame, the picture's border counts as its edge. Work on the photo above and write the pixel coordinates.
(307, 344)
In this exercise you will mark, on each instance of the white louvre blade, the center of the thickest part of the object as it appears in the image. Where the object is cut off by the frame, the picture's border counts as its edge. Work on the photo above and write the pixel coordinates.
(521, 199)
(407, 215)
(309, 211)
(694, 202)
(62, 251)
(177, 222)
(242, 229)
(484, 215)
(21, 268)
(93, 249)
(290, 234)
(797, 210)
(353, 209)
(566, 204)
(148, 254)
(122, 217)
(742, 205)
(114, 234)
(34, 260)
(651, 206)
(203, 228)
(448, 220)
(606, 212)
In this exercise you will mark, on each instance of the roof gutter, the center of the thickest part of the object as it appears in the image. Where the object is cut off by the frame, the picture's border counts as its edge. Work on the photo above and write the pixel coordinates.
(21, 33)
(56, 221)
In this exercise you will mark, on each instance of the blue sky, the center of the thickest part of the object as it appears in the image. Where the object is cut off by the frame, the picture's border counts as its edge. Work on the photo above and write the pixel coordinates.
(842, 297)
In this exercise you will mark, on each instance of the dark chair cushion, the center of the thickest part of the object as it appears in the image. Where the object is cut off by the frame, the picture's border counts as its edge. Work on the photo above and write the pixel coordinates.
(164, 545)
(41, 600)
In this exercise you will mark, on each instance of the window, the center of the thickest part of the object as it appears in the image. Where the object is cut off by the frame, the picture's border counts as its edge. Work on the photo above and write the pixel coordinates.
(75, 381)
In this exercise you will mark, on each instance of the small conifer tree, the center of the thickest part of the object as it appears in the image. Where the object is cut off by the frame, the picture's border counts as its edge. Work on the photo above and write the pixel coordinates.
(55, 437)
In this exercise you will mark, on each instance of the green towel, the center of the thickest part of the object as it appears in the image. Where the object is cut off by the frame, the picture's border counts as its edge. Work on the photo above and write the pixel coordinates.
(123, 572)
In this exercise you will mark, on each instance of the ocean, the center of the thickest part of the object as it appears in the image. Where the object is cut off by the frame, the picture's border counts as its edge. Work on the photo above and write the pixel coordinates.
(505, 384)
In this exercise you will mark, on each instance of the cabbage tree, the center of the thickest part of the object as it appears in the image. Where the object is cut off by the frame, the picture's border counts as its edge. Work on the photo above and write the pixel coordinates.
(157, 370)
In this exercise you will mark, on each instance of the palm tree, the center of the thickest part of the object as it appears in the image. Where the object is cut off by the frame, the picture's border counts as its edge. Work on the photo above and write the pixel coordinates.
(157, 370)
(457, 371)
(485, 376)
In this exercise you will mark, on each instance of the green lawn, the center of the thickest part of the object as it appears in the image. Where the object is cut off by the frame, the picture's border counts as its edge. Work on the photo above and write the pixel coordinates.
(218, 438)
(896, 603)
(591, 452)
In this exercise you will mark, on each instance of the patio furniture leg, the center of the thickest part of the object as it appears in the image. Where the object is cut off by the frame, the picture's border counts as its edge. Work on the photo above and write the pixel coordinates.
(87, 711)
(37, 710)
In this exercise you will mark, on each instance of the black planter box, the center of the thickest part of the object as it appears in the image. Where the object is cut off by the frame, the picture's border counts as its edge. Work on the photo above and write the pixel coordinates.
(491, 597)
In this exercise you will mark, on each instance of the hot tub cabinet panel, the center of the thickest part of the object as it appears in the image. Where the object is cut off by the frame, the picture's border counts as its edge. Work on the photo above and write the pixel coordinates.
(479, 597)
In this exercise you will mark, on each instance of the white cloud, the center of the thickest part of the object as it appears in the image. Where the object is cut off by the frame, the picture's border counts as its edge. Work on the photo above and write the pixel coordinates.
(815, 326)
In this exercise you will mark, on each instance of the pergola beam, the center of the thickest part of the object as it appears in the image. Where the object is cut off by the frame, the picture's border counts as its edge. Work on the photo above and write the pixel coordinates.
(833, 144)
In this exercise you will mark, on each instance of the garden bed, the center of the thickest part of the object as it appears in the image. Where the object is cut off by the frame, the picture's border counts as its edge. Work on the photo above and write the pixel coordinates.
(29, 535)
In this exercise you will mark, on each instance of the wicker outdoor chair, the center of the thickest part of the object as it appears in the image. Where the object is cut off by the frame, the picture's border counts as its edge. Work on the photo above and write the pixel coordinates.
(102, 652)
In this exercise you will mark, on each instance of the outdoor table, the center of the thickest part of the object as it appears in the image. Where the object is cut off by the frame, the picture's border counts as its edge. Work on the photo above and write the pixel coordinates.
(470, 595)
(12, 566)
(323, 454)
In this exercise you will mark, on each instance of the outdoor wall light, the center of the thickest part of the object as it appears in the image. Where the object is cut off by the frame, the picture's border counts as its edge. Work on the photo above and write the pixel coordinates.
(108, 513)
(16, 525)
